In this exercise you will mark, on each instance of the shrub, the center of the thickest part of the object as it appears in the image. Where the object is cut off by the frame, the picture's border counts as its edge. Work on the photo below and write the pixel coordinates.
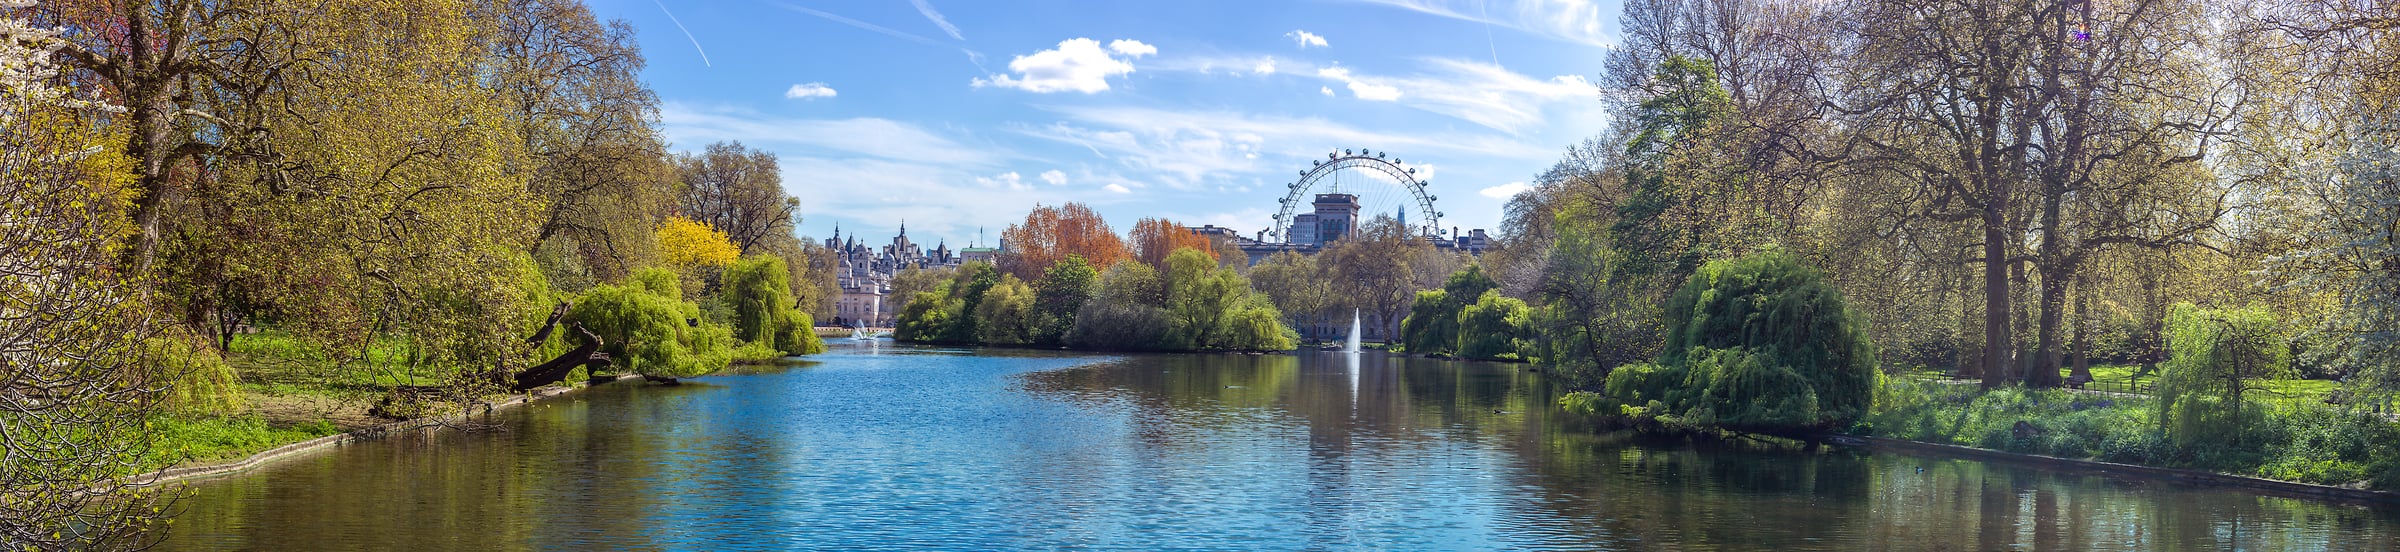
(927, 317)
(1760, 343)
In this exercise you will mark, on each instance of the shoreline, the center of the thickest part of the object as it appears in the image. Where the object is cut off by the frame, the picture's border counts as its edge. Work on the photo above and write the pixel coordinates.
(293, 450)
(2274, 487)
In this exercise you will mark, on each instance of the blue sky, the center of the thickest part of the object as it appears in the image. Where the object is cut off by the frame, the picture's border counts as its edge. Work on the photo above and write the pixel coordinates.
(956, 115)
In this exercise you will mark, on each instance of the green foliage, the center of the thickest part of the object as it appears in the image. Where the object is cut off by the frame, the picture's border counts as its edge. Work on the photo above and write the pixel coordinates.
(652, 333)
(1125, 313)
(1063, 289)
(195, 376)
(2293, 442)
(1431, 327)
(927, 317)
(759, 288)
(1005, 315)
(657, 281)
(189, 440)
(1758, 343)
(2217, 355)
(1492, 328)
(1593, 316)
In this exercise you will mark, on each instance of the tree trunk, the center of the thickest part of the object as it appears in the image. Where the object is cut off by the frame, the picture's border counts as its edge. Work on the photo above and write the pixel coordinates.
(2083, 322)
(2046, 359)
(1996, 343)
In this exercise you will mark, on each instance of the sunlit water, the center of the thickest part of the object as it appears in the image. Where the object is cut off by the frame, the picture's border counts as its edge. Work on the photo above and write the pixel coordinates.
(882, 447)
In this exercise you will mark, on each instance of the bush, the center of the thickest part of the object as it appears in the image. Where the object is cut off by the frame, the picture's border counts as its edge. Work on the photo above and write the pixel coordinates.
(1759, 343)
(764, 312)
(1492, 327)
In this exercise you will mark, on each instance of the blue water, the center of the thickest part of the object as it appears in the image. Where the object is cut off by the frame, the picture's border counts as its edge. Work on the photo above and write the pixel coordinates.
(877, 447)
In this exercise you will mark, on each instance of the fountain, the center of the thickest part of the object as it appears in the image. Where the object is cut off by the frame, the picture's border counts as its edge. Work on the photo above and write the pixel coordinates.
(859, 332)
(1352, 347)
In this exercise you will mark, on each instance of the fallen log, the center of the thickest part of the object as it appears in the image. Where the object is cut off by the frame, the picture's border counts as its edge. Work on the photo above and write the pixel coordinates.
(587, 356)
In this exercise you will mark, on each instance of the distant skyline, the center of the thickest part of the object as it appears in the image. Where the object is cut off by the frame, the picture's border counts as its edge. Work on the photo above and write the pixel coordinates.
(958, 115)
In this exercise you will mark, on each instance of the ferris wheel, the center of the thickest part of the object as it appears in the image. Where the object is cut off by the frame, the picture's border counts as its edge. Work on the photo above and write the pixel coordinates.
(1381, 185)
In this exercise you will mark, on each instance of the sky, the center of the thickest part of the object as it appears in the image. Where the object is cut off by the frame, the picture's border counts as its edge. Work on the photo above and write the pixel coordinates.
(960, 116)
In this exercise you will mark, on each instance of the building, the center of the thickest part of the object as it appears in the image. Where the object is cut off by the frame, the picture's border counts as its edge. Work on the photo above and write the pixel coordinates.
(865, 273)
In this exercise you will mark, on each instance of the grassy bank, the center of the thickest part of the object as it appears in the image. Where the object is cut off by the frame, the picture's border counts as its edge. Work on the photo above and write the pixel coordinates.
(289, 392)
(2282, 438)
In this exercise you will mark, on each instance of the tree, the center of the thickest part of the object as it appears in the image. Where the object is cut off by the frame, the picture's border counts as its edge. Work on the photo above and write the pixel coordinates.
(1052, 233)
(1153, 239)
(1004, 316)
(1297, 284)
(74, 402)
(1064, 288)
(1126, 312)
(1491, 328)
(1374, 269)
(2219, 355)
(573, 89)
(1757, 343)
(685, 244)
(736, 190)
(764, 311)
(647, 327)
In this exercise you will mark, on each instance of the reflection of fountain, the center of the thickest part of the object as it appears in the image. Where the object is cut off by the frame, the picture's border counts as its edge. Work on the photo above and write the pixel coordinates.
(1352, 360)
(1352, 347)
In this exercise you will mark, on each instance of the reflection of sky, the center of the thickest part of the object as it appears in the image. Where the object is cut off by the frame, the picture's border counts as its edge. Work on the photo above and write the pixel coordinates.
(913, 449)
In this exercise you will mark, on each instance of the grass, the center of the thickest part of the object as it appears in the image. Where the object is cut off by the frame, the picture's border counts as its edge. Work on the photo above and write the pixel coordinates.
(181, 440)
(2283, 438)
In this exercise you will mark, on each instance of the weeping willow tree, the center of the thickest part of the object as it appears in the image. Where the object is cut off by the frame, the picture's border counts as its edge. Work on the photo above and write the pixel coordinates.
(764, 312)
(1758, 343)
(2217, 358)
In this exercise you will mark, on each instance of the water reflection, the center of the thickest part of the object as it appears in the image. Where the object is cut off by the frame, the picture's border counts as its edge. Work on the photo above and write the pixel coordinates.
(877, 446)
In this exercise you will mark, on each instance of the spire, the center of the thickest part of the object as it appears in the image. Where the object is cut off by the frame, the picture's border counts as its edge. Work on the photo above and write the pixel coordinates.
(903, 228)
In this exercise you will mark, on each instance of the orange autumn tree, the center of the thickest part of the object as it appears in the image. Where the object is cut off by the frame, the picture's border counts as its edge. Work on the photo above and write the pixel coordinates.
(1155, 238)
(1052, 233)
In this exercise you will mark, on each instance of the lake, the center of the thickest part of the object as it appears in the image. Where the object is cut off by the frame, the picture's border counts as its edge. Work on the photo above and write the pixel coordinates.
(876, 446)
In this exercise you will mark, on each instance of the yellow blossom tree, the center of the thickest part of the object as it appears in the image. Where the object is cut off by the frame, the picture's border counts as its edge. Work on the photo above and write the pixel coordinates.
(685, 243)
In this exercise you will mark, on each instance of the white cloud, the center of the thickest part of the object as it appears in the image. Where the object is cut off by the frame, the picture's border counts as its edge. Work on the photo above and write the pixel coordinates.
(1131, 48)
(1306, 39)
(1078, 65)
(1266, 66)
(1117, 189)
(1505, 191)
(1478, 92)
(1326, 90)
(1362, 89)
(1374, 92)
(1578, 21)
(938, 21)
(1054, 177)
(1192, 150)
(689, 127)
(809, 91)
(1008, 180)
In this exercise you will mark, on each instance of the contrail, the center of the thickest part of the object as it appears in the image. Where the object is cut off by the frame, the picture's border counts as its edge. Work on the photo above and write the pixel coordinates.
(926, 8)
(859, 24)
(687, 33)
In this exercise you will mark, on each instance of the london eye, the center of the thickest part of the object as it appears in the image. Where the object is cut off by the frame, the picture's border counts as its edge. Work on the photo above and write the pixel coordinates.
(1376, 183)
